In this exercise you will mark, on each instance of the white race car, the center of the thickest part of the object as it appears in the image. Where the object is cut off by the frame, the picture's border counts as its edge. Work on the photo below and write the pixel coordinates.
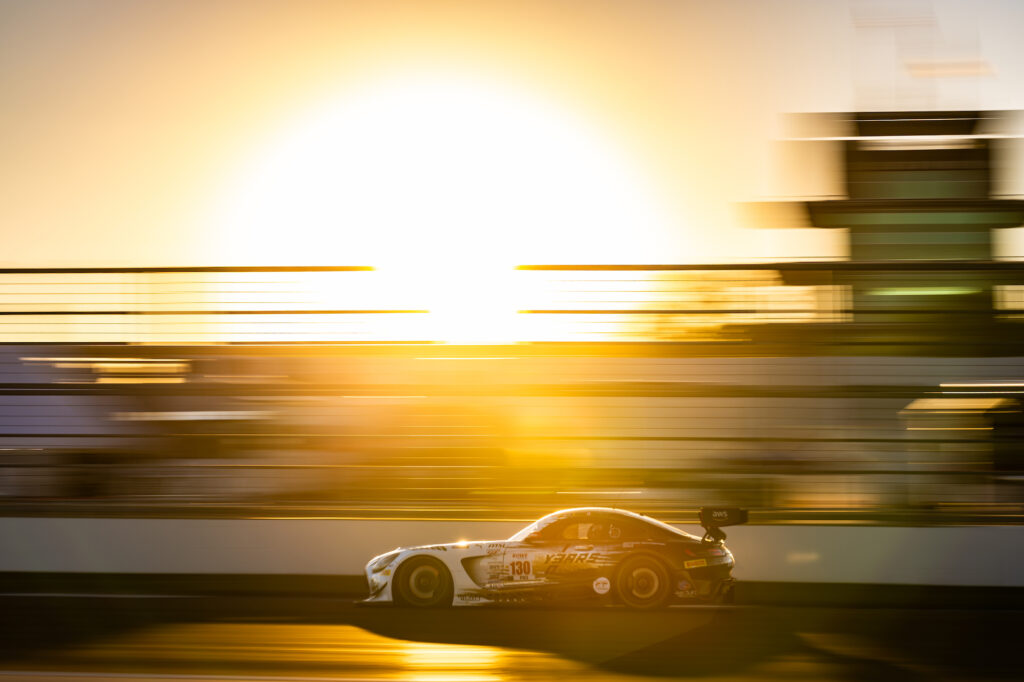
(591, 553)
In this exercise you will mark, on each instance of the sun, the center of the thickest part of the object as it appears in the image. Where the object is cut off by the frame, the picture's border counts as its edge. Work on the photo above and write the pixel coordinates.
(444, 181)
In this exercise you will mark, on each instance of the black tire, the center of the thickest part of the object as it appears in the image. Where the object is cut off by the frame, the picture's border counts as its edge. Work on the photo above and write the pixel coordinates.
(643, 582)
(423, 582)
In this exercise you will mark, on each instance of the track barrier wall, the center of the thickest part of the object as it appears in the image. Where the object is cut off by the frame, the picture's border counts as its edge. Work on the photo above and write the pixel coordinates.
(325, 551)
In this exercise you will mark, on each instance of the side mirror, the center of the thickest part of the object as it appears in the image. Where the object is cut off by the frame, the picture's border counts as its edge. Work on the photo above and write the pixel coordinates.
(533, 538)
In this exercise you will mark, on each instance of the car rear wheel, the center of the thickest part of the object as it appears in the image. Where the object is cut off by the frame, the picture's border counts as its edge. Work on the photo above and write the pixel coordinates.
(643, 582)
(424, 582)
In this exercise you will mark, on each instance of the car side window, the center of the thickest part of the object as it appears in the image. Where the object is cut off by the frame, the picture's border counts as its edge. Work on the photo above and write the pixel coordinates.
(629, 530)
(575, 531)
(592, 531)
(599, 528)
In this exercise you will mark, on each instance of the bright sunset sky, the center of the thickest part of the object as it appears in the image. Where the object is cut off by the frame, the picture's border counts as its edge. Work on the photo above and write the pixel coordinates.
(258, 133)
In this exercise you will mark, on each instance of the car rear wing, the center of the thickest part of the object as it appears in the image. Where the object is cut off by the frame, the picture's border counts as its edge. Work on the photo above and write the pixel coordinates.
(713, 519)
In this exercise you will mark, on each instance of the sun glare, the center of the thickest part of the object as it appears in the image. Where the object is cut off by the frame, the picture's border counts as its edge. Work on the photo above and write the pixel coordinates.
(445, 183)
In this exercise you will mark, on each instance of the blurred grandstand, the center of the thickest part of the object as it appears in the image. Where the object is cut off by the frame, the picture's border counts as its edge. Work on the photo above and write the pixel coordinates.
(885, 388)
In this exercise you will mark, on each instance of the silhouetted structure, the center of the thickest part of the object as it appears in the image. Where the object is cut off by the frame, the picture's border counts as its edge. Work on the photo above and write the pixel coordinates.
(919, 188)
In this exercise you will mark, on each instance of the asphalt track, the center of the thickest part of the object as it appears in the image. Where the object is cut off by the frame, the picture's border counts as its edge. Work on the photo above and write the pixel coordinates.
(63, 638)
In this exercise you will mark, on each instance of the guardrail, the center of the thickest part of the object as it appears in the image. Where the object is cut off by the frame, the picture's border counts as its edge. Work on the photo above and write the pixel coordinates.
(907, 306)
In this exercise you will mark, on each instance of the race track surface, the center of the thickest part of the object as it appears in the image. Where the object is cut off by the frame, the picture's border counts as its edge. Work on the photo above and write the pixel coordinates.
(63, 638)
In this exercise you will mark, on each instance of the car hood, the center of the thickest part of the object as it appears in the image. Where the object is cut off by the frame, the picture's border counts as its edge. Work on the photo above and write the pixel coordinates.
(476, 545)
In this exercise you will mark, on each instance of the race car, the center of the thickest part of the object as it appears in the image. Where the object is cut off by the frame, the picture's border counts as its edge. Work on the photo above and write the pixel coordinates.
(589, 553)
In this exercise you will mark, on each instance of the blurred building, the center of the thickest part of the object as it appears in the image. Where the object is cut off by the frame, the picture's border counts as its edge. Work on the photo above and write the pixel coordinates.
(918, 188)
(918, 210)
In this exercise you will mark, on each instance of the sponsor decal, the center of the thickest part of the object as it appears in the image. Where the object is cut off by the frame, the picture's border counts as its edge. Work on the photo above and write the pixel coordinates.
(495, 570)
(716, 552)
(695, 563)
(571, 557)
(602, 585)
(387, 571)
(685, 585)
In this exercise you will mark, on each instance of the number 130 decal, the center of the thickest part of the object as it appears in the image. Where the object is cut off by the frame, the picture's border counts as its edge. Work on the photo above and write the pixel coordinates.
(521, 570)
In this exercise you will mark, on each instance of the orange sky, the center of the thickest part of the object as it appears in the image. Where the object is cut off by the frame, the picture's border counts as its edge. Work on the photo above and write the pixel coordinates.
(124, 122)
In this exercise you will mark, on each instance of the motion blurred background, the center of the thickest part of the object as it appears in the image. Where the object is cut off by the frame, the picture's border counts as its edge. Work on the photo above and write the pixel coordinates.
(485, 260)
(286, 285)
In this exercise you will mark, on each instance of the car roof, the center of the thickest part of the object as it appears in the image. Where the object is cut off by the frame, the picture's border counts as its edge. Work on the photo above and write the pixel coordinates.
(595, 510)
(563, 513)
(545, 521)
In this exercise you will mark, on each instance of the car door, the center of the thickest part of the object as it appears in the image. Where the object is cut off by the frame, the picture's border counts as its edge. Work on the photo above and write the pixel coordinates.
(590, 551)
(535, 560)
(574, 550)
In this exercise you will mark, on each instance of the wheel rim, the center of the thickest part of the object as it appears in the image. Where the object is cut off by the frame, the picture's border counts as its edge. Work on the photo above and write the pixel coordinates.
(644, 583)
(424, 582)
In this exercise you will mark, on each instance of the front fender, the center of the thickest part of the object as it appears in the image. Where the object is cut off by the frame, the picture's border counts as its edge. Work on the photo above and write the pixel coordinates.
(381, 584)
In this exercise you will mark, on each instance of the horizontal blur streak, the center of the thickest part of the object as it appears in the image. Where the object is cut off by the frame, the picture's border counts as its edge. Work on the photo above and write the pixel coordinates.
(785, 307)
(435, 431)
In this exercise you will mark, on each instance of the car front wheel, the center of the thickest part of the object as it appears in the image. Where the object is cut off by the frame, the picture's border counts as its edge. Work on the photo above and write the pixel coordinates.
(424, 582)
(643, 582)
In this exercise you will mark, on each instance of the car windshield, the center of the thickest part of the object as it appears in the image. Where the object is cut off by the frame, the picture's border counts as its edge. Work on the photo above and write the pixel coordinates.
(532, 528)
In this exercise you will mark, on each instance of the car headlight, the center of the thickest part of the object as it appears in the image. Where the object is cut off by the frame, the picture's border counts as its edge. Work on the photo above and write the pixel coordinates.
(378, 564)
